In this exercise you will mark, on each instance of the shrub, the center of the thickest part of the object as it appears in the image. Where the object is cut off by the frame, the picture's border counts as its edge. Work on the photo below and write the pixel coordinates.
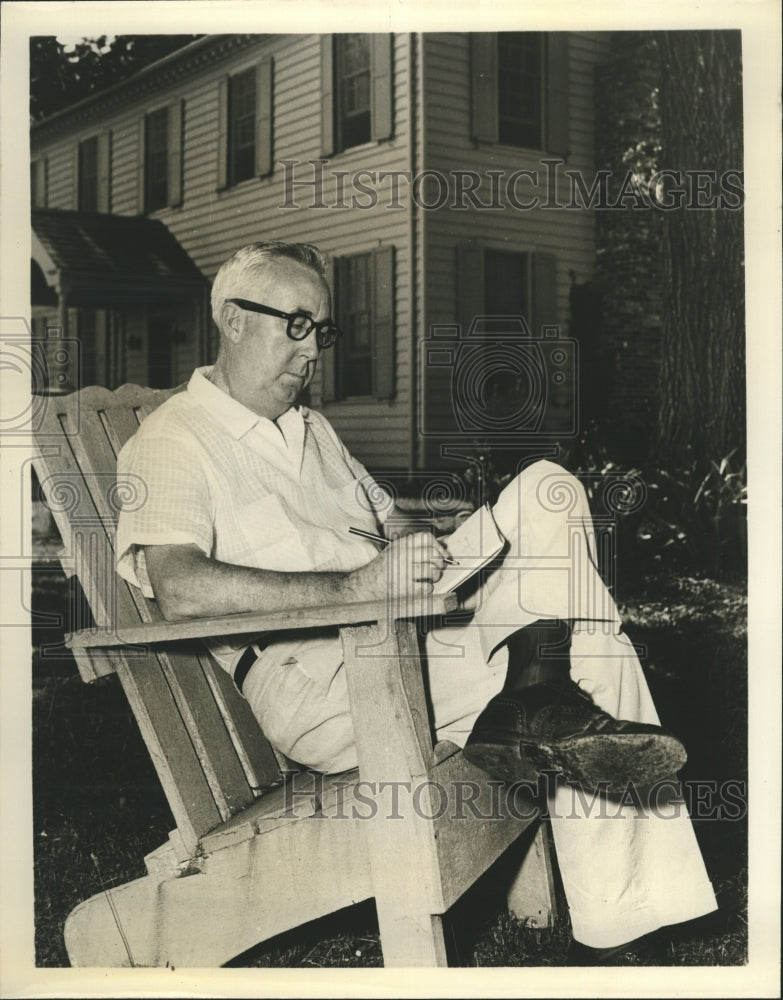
(691, 520)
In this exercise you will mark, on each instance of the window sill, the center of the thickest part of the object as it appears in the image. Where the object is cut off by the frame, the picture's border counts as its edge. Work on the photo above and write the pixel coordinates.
(223, 191)
(369, 398)
(158, 213)
(364, 147)
(531, 150)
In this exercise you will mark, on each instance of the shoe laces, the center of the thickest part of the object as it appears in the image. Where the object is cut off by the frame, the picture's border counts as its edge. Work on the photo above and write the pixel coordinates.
(599, 719)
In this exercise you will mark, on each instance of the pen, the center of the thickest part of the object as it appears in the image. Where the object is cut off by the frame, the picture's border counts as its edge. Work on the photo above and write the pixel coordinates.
(385, 541)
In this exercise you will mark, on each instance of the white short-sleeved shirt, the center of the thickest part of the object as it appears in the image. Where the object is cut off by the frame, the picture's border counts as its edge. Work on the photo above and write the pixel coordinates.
(246, 490)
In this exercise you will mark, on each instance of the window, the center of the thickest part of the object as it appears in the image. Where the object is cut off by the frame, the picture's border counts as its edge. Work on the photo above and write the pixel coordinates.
(245, 139)
(88, 175)
(356, 90)
(160, 183)
(156, 160)
(353, 90)
(520, 89)
(506, 293)
(506, 283)
(520, 62)
(354, 296)
(362, 361)
(242, 126)
(92, 173)
(537, 383)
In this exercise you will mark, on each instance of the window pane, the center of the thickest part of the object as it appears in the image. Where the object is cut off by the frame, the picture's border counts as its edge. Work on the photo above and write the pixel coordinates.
(520, 71)
(354, 53)
(354, 358)
(505, 281)
(353, 90)
(242, 126)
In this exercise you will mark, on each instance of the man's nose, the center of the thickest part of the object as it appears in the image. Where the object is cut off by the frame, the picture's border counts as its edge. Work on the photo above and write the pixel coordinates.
(309, 346)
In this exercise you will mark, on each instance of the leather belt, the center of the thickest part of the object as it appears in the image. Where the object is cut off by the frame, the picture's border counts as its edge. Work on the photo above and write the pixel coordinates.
(246, 661)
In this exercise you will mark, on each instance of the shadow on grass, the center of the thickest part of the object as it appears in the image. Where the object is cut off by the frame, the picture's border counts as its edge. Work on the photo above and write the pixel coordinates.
(98, 806)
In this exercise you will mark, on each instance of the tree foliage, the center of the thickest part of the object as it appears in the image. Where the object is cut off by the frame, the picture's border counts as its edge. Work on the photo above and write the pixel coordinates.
(62, 74)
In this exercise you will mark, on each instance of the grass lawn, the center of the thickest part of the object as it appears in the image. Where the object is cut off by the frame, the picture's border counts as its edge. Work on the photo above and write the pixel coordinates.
(98, 808)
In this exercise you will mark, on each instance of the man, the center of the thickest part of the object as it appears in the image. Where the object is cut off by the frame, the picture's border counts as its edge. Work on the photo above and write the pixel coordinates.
(250, 498)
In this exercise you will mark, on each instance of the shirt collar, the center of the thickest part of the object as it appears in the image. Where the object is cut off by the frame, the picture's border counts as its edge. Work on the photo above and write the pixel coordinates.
(233, 415)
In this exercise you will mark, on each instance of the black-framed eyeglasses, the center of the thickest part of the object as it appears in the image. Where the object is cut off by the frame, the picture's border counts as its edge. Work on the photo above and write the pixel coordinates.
(299, 324)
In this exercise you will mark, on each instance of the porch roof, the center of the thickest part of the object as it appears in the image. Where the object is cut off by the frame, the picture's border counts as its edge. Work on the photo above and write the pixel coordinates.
(107, 260)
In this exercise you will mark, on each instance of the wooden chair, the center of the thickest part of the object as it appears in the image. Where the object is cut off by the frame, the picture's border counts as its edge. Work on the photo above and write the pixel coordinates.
(253, 855)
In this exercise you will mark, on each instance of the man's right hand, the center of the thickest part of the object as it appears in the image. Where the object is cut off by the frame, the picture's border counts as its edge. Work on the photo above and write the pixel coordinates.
(411, 564)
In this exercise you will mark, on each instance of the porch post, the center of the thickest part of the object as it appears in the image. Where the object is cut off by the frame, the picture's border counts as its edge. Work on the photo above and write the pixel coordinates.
(59, 374)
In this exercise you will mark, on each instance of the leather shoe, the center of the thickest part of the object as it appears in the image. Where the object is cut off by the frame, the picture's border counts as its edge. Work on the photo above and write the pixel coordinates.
(555, 726)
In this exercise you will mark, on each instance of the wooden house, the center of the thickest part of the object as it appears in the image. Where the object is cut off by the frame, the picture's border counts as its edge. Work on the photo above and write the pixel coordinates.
(435, 169)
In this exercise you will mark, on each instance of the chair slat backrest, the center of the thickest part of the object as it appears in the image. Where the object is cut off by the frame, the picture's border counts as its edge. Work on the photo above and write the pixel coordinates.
(209, 752)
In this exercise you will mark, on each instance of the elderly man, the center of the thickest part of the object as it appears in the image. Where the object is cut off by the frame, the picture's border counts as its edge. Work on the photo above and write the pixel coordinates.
(250, 498)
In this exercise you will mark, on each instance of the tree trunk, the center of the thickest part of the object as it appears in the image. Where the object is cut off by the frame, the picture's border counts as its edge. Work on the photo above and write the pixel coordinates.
(702, 391)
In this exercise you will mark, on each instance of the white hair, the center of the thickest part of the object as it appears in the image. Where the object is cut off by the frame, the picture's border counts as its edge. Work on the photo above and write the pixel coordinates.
(254, 259)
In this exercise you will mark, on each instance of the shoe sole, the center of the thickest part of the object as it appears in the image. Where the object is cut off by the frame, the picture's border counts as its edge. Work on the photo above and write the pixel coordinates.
(610, 760)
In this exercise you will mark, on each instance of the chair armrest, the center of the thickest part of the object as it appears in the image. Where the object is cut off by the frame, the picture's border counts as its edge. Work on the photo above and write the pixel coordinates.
(261, 621)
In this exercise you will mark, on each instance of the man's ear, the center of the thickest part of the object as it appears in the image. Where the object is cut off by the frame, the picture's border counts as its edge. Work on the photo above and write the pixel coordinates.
(232, 322)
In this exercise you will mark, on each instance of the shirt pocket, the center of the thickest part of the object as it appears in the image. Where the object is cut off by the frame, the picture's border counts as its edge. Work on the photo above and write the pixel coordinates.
(270, 538)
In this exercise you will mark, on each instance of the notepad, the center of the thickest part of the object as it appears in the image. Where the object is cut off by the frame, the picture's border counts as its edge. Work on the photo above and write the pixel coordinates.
(474, 544)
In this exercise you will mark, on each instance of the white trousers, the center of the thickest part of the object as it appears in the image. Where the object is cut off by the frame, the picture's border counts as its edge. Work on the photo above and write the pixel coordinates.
(625, 871)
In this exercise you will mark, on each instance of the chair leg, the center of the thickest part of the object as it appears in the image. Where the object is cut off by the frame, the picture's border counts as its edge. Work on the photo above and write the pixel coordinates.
(531, 895)
(408, 938)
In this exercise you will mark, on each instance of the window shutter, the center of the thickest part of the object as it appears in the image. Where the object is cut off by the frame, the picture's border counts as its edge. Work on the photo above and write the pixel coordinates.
(470, 284)
(141, 171)
(328, 360)
(381, 87)
(544, 292)
(176, 121)
(327, 95)
(222, 150)
(104, 171)
(557, 93)
(75, 187)
(264, 131)
(383, 323)
(484, 85)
